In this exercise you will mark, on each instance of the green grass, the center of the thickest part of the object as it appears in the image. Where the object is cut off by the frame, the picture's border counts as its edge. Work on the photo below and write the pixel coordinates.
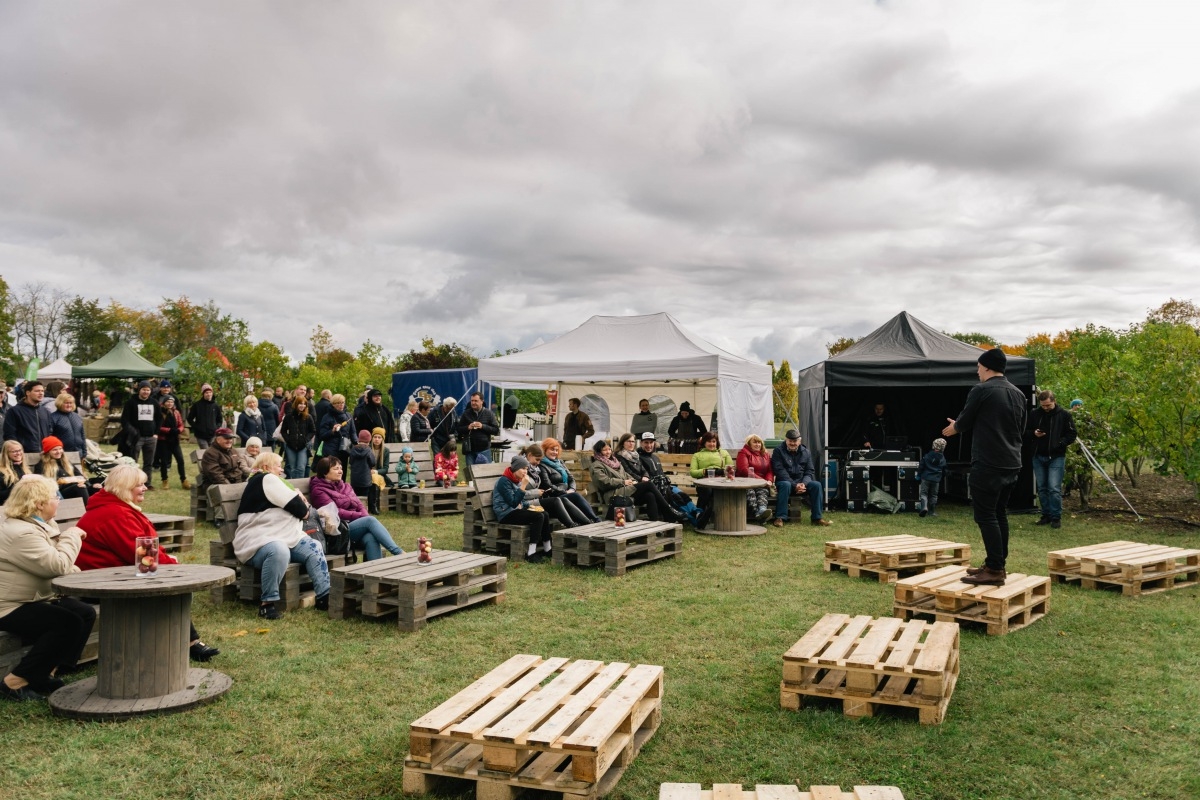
(1098, 699)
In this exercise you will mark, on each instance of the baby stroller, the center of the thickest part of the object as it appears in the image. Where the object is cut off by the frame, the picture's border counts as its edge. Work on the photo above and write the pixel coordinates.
(100, 463)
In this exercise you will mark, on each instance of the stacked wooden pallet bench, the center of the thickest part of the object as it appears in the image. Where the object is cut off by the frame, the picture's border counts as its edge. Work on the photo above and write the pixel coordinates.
(568, 727)
(1133, 567)
(887, 558)
(295, 591)
(1022, 600)
(482, 532)
(615, 549)
(175, 533)
(415, 593)
(789, 791)
(867, 663)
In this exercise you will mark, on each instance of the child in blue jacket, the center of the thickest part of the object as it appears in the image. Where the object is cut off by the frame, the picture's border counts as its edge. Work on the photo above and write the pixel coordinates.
(933, 465)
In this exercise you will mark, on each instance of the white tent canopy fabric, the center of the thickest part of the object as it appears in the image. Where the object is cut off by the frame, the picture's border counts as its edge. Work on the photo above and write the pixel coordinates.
(623, 359)
(58, 371)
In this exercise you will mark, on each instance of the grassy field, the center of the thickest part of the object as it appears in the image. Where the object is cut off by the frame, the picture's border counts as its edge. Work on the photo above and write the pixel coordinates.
(1099, 699)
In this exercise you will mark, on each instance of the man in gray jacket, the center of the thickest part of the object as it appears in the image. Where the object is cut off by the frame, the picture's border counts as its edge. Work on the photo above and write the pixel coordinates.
(995, 414)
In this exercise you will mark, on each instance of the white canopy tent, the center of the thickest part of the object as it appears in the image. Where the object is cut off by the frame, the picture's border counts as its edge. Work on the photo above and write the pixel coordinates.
(58, 371)
(623, 359)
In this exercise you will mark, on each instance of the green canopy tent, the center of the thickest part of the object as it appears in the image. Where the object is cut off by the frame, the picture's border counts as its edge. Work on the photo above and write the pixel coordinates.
(121, 362)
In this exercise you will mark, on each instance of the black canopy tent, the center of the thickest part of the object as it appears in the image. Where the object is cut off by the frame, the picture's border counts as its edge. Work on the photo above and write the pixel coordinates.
(921, 375)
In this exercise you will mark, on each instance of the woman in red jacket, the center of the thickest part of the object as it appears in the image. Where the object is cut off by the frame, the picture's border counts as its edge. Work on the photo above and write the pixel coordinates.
(754, 456)
(113, 522)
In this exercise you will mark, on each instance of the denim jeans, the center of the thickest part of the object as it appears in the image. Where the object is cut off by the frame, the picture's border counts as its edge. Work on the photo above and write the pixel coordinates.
(296, 462)
(484, 457)
(1048, 472)
(990, 490)
(374, 538)
(929, 495)
(273, 559)
(812, 491)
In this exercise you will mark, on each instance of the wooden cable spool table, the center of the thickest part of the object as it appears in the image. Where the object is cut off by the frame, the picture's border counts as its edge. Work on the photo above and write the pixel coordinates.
(143, 664)
(729, 506)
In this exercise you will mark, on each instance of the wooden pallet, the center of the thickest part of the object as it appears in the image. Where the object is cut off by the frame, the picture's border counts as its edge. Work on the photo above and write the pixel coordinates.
(294, 592)
(175, 534)
(415, 593)
(617, 549)
(1134, 567)
(557, 725)
(199, 508)
(887, 558)
(432, 501)
(1023, 599)
(867, 662)
(789, 791)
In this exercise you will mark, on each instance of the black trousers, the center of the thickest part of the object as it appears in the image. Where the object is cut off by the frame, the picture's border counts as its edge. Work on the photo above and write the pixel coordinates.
(647, 494)
(58, 630)
(990, 491)
(538, 522)
(167, 449)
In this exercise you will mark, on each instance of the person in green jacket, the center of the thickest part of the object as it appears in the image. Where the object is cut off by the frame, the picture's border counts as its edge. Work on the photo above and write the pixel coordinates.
(406, 470)
(709, 456)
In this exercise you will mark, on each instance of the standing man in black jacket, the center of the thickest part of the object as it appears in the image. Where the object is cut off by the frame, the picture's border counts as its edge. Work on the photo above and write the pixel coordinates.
(1053, 430)
(204, 417)
(476, 427)
(995, 413)
(374, 414)
(140, 420)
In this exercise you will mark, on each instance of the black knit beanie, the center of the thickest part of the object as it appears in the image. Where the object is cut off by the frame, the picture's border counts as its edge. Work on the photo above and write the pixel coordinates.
(994, 359)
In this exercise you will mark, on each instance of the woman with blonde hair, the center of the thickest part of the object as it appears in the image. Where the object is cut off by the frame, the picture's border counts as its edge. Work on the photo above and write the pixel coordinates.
(33, 551)
(67, 425)
(337, 431)
(404, 428)
(754, 457)
(12, 467)
(113, 522)
(270, 535)
(66, 476)
(251, 423)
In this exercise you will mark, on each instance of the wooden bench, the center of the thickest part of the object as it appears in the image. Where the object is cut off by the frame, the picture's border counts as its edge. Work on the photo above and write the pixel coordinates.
(556, 725)
(12, 650)
(482, 532)
(1022, 600)
(432, 500)
(415, 593)
(789, 791)
(69, 512)
(175, 533)
(603, 544)
(867, 663)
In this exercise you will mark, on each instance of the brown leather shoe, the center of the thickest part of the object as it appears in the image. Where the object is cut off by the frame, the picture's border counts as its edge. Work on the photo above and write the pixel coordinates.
(974, 570)
(778, 523)
(824, 523)
(987, 577)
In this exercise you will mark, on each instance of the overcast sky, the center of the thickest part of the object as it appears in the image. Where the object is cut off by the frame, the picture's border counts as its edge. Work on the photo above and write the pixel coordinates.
(774, 174)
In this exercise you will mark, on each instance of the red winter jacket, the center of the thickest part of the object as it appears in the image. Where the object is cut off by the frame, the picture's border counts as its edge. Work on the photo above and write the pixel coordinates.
(761, 461)
(112, 525)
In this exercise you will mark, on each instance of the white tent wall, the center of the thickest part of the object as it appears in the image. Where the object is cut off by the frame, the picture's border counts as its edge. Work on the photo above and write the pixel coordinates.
(622, 399)
(752, 410)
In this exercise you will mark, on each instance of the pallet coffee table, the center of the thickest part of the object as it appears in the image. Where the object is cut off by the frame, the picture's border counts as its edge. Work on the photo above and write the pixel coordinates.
(866, 662)
(886, 558)
(788, 791)
(1134, 567)
(432, 501)
(413, 592)
(143, 666)
(603, 544)
(570, 727)
(1022, 599)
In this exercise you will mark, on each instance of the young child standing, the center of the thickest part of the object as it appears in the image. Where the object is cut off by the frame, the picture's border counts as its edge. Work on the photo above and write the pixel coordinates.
(406, 470)
(362, 463)
(933, 465)
(445, 464)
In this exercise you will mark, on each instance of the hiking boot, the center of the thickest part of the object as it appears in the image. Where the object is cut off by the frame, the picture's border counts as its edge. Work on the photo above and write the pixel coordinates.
(1056, 523)
(823, 523)
(778, 523)
(186, 484)
(1043, 521)
(166, 484)
(269, 611)
(974, 570)
(987, 577)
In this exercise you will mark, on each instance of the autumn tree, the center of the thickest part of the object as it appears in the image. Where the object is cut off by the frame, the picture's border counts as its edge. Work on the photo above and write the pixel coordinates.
(843, 343)
(88, 329)
(437, 356)
(8, 355)
(786, 395)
